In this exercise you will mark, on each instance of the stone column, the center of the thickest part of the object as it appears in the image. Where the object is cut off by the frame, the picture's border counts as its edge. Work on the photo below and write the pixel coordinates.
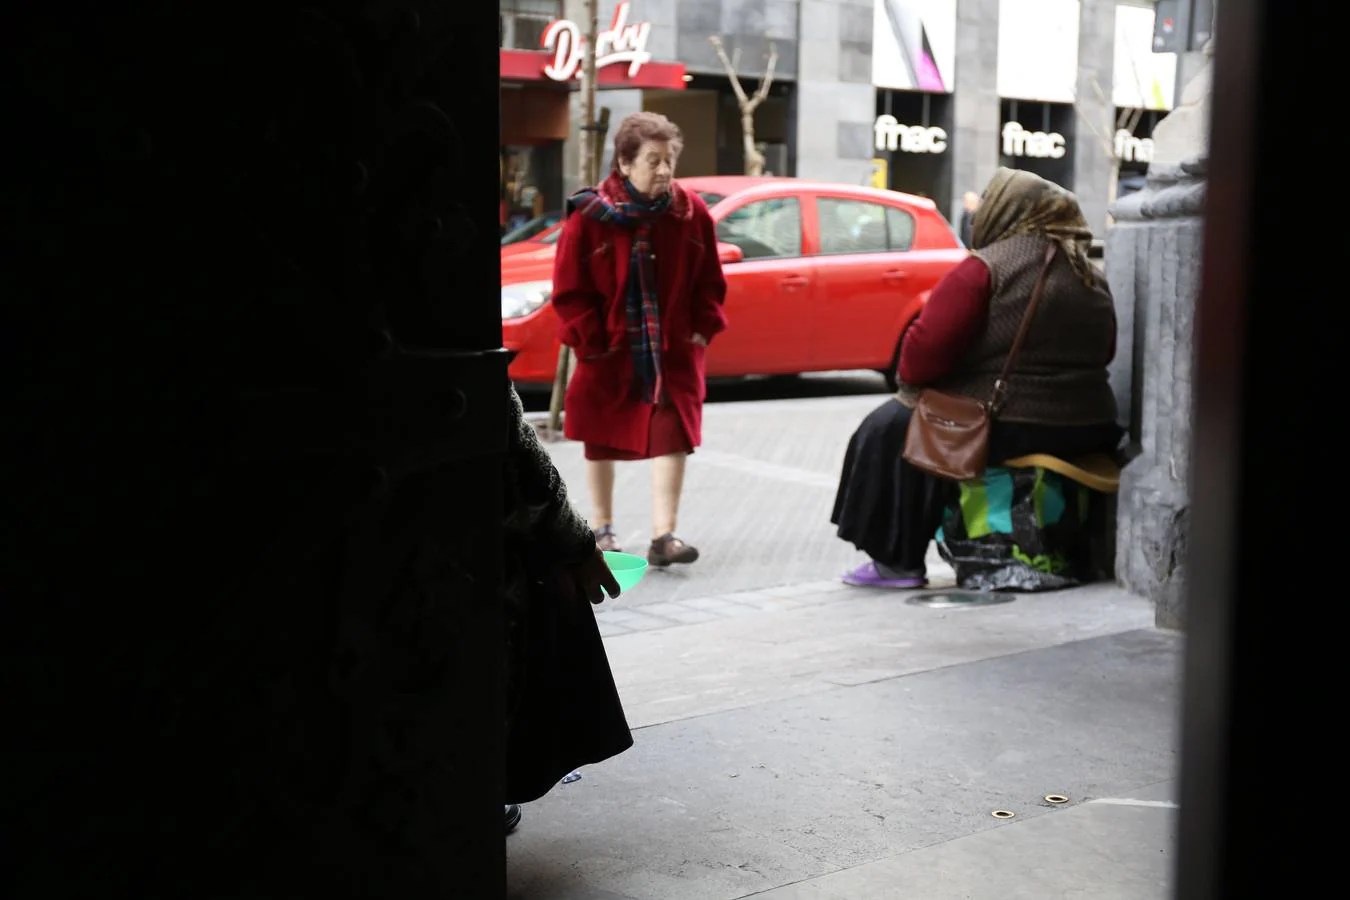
(1153, 263)
(836, 102)
(1092, 152)
(974, 144)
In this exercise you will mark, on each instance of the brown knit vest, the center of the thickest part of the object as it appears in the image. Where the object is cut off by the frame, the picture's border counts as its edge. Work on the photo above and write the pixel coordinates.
(1060, 377)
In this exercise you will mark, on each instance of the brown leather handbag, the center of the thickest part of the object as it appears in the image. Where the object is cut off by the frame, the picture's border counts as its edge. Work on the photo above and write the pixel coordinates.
(949, 434)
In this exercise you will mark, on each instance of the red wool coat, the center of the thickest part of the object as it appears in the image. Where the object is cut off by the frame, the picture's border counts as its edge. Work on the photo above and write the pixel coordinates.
(590, 285)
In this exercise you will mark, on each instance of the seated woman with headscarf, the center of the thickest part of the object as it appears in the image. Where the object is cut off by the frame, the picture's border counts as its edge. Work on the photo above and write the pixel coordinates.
(1059, 401)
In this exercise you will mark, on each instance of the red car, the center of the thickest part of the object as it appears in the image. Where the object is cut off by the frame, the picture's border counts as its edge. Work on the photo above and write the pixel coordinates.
(534, 243)
(820, 277)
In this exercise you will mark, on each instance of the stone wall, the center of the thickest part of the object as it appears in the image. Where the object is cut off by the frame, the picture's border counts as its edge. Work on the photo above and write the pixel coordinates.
(974, 144)
(1153, 261)
(1092, 149)
(836, 103)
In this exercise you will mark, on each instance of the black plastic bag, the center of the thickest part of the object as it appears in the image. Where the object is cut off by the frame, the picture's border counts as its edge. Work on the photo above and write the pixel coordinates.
(1018, 530)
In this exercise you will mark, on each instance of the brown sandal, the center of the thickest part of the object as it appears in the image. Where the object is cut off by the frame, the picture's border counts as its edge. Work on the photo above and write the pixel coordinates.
(605, 539)
(669, 549)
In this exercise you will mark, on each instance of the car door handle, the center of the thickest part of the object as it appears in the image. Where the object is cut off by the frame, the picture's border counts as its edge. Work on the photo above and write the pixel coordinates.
(795, 281)
(896, 275)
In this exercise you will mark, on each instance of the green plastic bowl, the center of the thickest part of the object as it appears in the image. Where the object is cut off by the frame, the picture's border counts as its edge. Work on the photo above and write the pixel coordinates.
(627, 568)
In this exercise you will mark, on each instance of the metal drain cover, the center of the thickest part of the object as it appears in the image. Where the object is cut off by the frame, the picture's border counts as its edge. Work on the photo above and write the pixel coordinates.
(950, 599)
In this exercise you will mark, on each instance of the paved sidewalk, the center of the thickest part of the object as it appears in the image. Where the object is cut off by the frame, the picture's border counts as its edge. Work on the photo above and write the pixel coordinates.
(816, 741)
(757, 499)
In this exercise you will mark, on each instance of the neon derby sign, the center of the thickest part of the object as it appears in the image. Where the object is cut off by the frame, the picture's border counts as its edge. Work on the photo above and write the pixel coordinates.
(620, 43)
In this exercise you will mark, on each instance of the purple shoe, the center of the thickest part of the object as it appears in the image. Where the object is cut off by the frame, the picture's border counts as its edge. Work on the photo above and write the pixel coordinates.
(867, 575)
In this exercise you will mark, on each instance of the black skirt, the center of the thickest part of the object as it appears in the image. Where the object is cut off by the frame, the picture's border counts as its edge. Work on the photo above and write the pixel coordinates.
(890, 510)
(565, 710)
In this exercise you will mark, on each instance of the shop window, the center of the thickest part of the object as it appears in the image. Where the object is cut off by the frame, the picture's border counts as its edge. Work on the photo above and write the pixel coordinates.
(851, 226)
(899, 229)
(765, 229)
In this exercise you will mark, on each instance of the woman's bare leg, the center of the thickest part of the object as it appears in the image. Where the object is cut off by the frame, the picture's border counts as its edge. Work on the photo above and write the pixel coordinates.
(600, 478)
(667, 485)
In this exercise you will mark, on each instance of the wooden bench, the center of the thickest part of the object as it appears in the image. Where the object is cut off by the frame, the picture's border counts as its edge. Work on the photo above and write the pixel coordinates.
(1097, 471)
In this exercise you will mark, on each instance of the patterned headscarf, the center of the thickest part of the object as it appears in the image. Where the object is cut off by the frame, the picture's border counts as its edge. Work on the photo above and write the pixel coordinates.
(1019, 202)
(631, 210)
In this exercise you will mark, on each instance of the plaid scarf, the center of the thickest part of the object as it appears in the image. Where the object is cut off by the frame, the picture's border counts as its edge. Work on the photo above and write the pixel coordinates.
(642, 303)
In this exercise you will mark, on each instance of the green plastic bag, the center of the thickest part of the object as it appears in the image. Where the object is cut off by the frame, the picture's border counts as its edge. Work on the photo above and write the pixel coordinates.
(1018, 530)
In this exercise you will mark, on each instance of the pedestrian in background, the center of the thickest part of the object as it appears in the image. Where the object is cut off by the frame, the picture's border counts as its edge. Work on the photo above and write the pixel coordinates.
(638, 290)
(970, 203)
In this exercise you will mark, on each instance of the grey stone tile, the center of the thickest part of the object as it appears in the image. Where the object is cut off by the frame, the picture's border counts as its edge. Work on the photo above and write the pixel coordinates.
(1107, 853)
(855, 62)
(765, 600)
(819, 21)
(855, 140)
(634, 620)
(810, 589)
(724, 606)
(780, 19)
(702, 16)
(609, 628)
(819, 62)
(680, 612)
(744, 18)
(855, 24)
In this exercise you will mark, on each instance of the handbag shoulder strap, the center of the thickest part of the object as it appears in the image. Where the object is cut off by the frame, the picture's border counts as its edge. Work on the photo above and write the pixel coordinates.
(1001, 385)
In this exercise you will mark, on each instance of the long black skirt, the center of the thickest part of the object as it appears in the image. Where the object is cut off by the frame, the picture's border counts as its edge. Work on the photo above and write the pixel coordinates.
(565, 710)
(890, 510)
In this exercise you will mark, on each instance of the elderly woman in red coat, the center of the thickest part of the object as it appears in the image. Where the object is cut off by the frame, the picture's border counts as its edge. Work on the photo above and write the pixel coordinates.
(638, 288)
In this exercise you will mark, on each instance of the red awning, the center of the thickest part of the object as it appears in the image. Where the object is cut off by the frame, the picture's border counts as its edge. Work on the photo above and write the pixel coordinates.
(528, 65)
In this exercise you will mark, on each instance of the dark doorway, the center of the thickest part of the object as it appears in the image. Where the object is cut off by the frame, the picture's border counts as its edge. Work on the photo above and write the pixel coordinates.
(256, 412)
(1038, 137)
(920, 163)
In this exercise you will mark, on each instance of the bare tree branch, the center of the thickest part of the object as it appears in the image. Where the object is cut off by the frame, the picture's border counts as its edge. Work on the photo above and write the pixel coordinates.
(730, 67)
(767, 81)
(754, 160)
(1107, 140)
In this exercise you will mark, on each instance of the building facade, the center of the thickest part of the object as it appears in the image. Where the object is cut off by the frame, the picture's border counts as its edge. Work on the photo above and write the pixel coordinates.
(1069, 89)
(922, 96)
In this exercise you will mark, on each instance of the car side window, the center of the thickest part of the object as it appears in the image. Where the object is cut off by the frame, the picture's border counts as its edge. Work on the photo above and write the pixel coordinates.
(764, 229)
(851, 226)
(900, 226)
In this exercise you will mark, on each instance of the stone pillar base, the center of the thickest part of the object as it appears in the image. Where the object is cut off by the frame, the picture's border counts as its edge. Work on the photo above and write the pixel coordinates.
(1153, 265)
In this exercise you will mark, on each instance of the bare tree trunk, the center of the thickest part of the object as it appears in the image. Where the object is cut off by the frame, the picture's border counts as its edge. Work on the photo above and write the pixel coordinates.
(753, 159)
(588, 92)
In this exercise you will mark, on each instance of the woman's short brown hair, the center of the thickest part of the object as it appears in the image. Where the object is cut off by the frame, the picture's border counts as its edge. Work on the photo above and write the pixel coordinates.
(640, 127)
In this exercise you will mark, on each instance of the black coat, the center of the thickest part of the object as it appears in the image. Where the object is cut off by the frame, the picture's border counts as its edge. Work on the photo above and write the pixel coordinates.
(563, 709)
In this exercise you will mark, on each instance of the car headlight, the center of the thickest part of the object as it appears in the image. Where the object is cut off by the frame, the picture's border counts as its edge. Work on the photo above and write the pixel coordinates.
(522, 299)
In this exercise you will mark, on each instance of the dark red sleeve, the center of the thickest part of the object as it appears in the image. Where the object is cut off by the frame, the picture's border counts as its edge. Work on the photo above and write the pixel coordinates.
(950, 323)
(580, 307)
(710, 287)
